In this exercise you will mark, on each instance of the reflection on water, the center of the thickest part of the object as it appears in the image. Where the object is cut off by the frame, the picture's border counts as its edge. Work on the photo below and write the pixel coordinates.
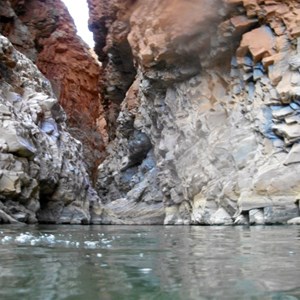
(149, 262)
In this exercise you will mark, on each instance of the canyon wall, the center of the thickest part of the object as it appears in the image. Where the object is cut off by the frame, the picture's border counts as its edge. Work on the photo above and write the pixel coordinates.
(195, 106)
(42, 174)
(109, 21)
(45, 33)
(43, 168)
(208, 131)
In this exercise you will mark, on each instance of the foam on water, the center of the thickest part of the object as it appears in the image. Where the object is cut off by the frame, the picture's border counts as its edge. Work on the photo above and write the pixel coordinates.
(145, 270)
(51, 240)
(6, 239)
(90, 244)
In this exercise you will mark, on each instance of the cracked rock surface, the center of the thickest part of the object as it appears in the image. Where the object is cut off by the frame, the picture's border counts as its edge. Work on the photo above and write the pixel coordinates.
(216, 93)
(42, 173)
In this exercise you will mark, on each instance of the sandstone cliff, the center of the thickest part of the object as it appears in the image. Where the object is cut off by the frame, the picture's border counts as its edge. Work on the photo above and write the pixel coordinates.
(208, 132)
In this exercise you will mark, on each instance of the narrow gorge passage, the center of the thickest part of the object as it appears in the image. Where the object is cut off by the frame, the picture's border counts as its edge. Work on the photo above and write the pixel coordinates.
(184, 113)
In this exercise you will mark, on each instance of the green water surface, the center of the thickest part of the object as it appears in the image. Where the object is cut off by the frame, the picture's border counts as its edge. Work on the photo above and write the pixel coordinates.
(149, 262)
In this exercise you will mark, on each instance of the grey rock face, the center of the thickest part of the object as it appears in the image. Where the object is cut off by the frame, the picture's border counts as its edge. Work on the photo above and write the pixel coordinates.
(225, 136)
(42, 175)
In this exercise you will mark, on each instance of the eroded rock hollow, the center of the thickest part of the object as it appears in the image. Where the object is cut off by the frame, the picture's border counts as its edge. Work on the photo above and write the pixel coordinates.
(195, 108)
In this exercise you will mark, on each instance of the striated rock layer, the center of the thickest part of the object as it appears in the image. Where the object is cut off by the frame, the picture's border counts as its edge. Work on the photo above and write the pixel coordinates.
(45, 32)
(42, 175)
(209, 130)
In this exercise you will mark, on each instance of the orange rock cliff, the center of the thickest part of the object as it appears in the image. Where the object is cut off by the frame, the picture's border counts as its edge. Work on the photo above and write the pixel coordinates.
(45, 32)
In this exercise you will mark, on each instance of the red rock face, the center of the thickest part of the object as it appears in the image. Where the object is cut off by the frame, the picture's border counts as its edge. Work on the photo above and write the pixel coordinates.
(45, 32)
(109, 21)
